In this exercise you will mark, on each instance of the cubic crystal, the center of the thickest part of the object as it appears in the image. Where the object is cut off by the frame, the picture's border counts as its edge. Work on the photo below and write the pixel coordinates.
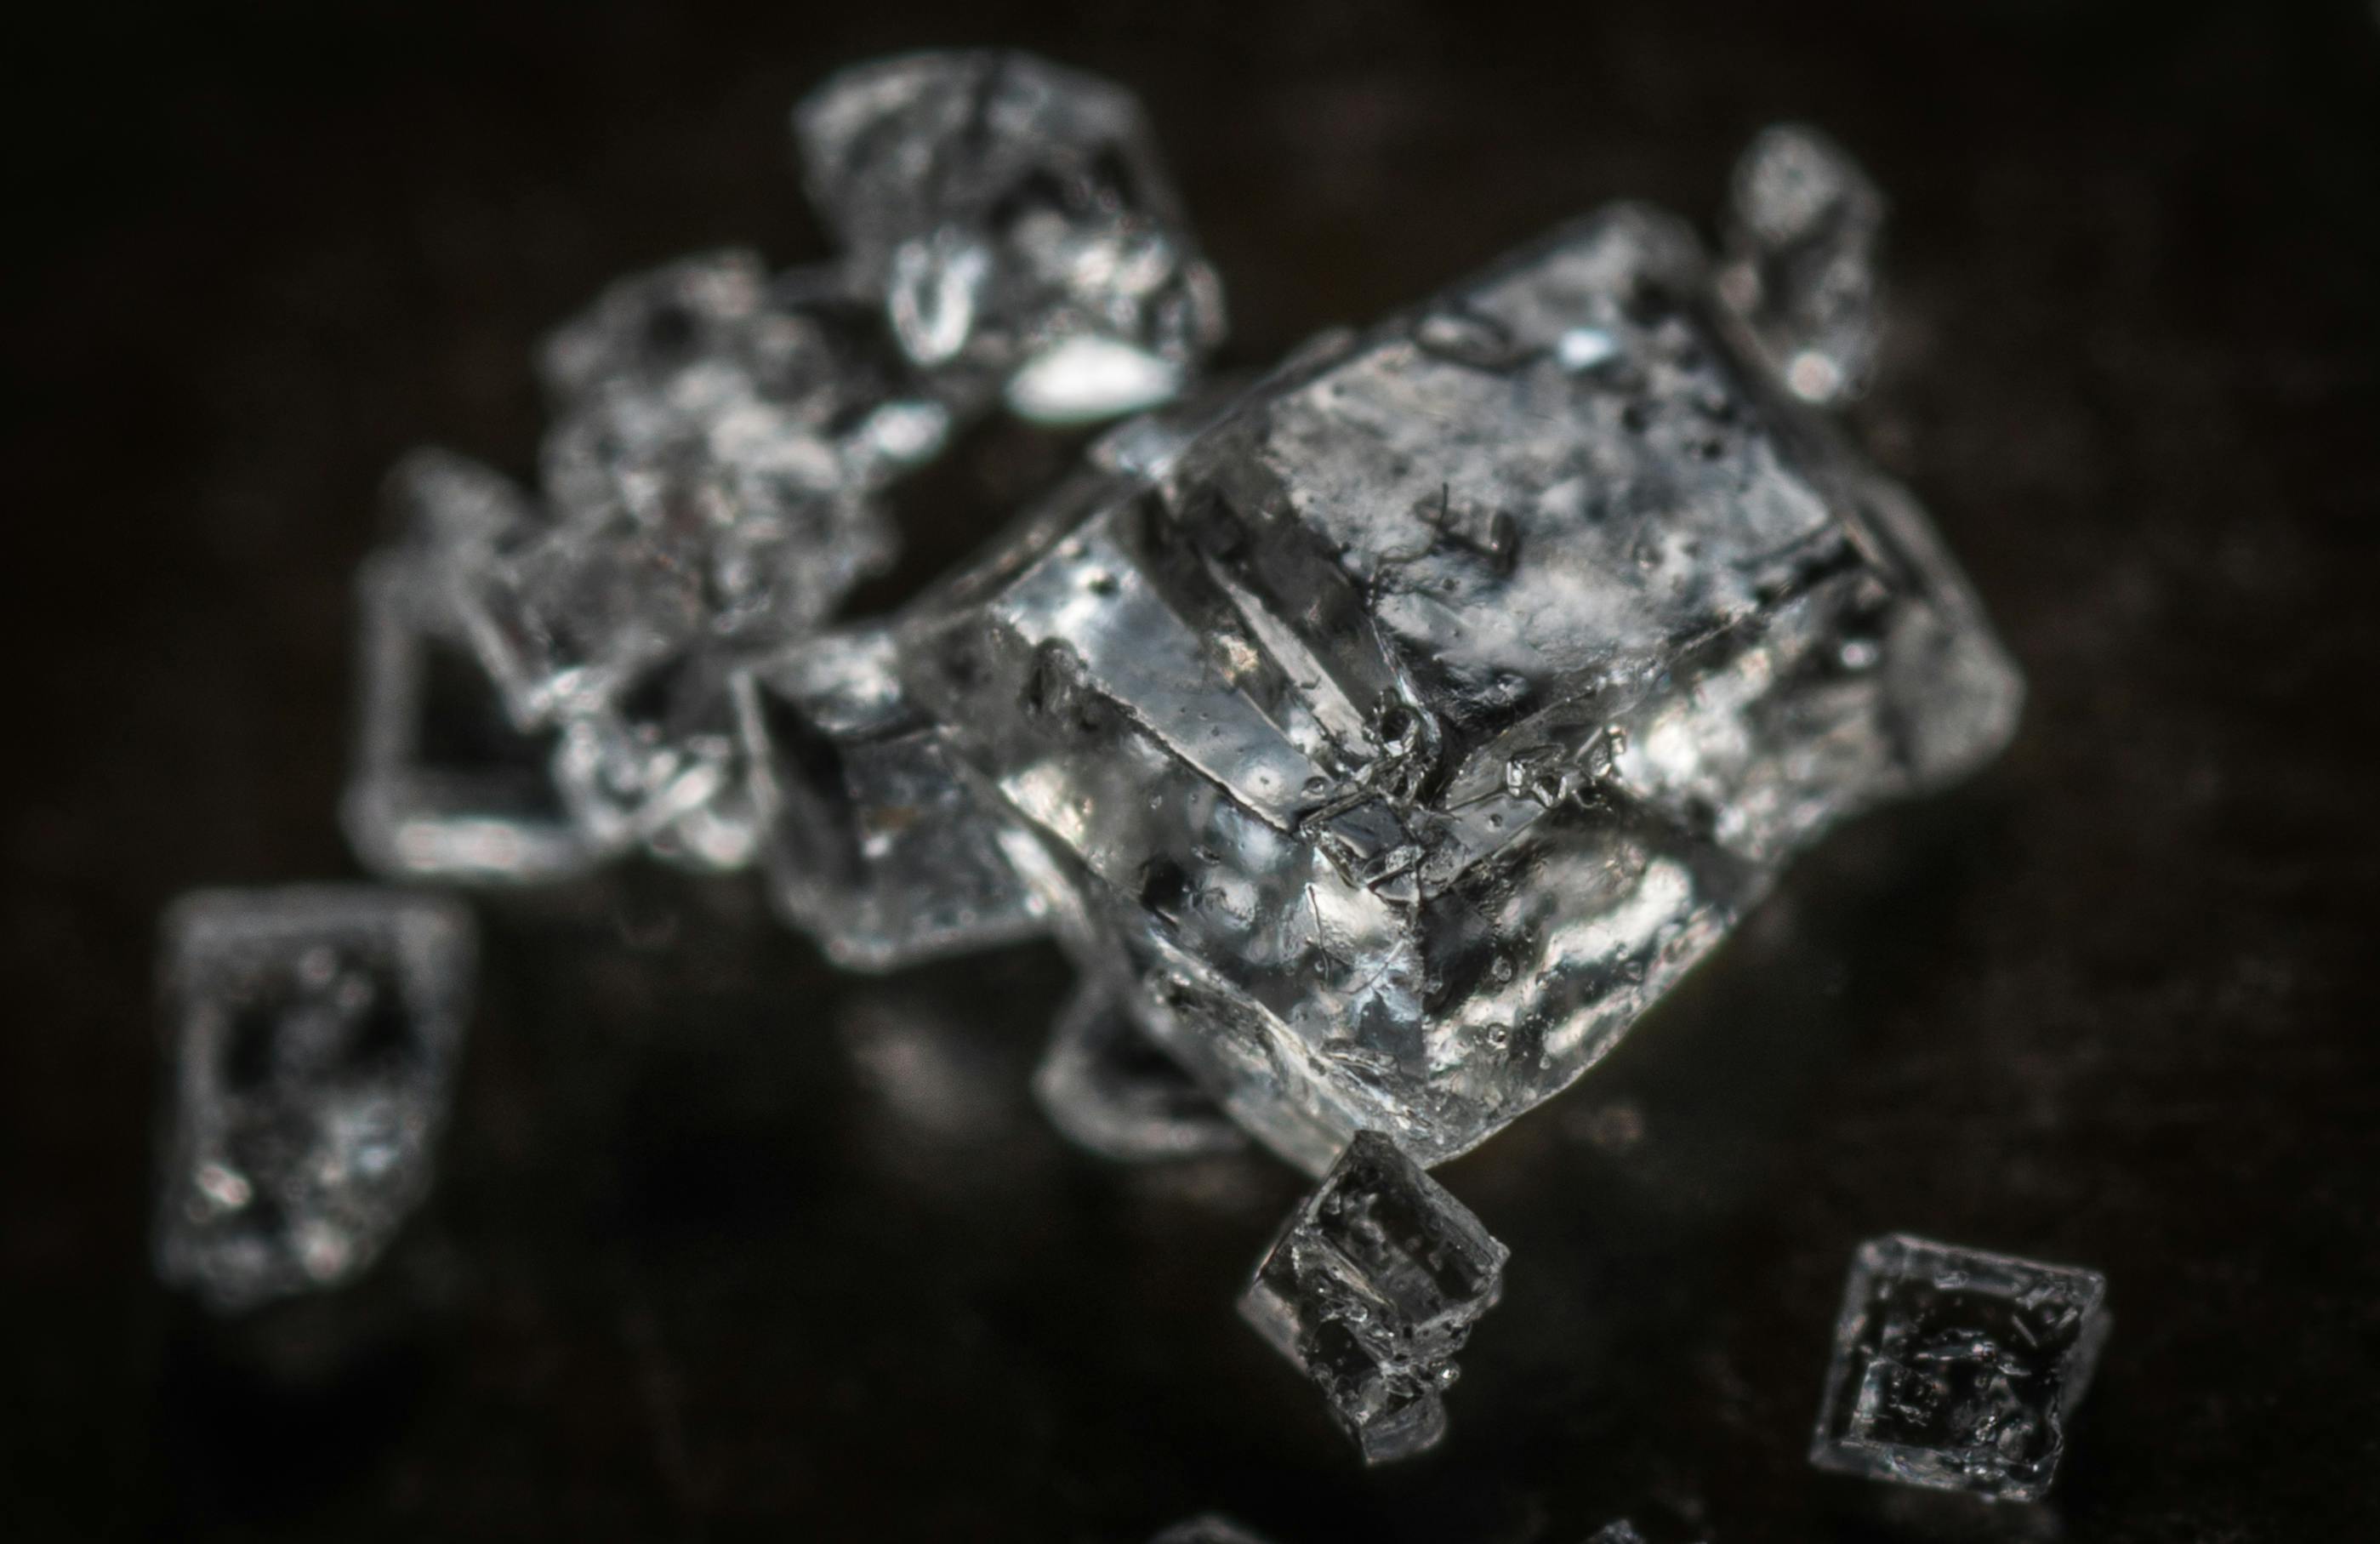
(443, 786)
(1958, 1369)
(1412, 729)
(1803, 228)
(1107, 1088)
(1015, 218)
(314, 1035)
(1372, 1287)
(874, 842)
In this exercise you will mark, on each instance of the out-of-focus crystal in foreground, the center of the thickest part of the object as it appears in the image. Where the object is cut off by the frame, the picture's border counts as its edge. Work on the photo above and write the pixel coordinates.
(1958, 1369)
(1018, 221)
(1371, 1288)
(1108, 1089)
(1411, 730)
(314, 1032)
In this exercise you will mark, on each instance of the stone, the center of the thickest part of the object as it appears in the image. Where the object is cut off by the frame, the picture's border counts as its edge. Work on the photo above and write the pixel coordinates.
(1802, 229)
(1372, 1286)
(1410, 729)
(314, 1034)
(874, 842)
(1017, 219)
(443, 785)
(1109, 1090)
(1958, 1369)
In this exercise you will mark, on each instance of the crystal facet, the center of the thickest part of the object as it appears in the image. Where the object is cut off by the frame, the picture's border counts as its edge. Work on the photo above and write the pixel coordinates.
(314, 1032)
(1958, 1369)
(1017, 219)
(1412, 729)
(1372, 1287)
(1803, 228)
(1107, 1087)
(444, 785)
(875, 843)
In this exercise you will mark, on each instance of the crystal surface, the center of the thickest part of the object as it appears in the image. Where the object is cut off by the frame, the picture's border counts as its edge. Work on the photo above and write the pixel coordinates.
(1016, 217)
(314, 1035)
(1413, 727)
(444, 785)
(875, 844)
(1108, 1089)
(1958, 1369)
(711, 476)
(1803, 225)
(1372, 1286)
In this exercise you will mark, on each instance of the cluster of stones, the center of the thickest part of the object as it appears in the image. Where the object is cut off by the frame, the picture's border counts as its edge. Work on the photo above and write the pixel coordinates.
(1379, 738)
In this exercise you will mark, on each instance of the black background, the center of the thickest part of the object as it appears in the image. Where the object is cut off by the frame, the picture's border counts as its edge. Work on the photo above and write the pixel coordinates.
(728, 1246)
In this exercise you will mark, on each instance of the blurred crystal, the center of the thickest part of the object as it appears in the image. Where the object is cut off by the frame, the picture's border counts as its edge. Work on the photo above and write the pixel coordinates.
(1621, 1532)
(1206, 1528)
(1405, 733)
(1373, 1285)
(1108, 1089)
(314, 1035)
(1803, 227)
(1017, 219)
(1958, 1369)
(874, 841)
(443, 786)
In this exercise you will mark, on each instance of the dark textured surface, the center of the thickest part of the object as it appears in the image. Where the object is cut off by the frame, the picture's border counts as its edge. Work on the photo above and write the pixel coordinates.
(728, 1246)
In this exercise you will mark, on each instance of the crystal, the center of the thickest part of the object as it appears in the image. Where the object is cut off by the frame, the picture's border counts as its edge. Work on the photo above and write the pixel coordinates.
(1621, 1532)
(1108, 1089)
(314, 1032)
(1017, 219)
(1958, 1369)
(443, 786)
(1206, 1528)
(1803, 228)
(712, 473)
(874, 843)
(1414, 727)
(1372, 1286)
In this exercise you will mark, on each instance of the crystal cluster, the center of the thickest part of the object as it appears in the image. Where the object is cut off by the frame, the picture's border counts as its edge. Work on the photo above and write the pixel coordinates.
(1957, 1370)
(1371, 1288)
(313, 1035)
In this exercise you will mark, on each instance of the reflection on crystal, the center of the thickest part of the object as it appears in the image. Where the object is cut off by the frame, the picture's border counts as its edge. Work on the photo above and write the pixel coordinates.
(1208, 1528)
(443, 785)
(1372, 1287)
(1015, 218)
(314, 1036)
(1108, 1089)
(1803, 228)
(1442, 702)
(875, 845)
(1958, 1369)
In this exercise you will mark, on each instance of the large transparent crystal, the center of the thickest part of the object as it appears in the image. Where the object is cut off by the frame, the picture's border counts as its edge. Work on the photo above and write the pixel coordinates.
(1957, 1370)
(1802, 229)
(444, 785)
(1108, 1089)
(1415, 727)
(1015, 218)
(314, 1033)
(1372, 1287)
(875, 845)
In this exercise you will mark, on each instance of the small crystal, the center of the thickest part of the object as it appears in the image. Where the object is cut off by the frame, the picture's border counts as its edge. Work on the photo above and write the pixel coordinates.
(1958, 1369)
(1803, 228)
(1107, 1088)
(1016, 217)
(444, 785)
(1206, 1528)
(314, 1035)
(1372, 1287)
(874, 842)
